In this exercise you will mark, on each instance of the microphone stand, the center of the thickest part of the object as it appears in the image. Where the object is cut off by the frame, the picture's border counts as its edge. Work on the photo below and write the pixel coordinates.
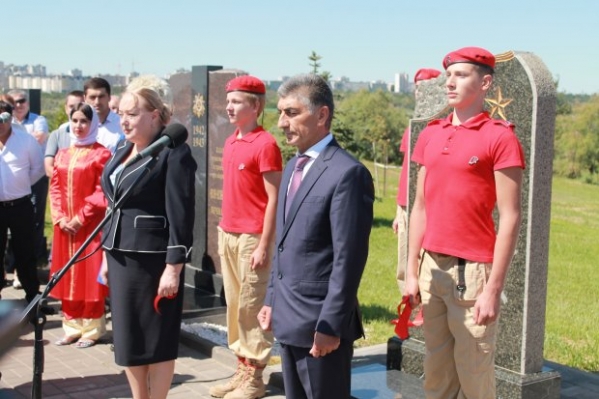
(40, 318)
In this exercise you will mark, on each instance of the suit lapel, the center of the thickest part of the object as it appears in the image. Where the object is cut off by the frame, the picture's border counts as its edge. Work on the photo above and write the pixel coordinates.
(129, 174)
(115, 161)
(125, 177)
(312, 176)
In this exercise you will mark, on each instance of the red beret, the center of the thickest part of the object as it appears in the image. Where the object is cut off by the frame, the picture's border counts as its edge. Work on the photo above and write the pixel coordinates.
(246, 83)
(426, 74)
(472, 55)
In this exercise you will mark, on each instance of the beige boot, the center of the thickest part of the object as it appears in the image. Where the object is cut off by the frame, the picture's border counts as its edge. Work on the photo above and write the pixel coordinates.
(219, 391)
(252, 386)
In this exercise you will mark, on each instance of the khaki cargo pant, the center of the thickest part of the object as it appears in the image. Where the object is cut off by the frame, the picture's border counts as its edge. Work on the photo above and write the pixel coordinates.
(245, 290)
(460, 355)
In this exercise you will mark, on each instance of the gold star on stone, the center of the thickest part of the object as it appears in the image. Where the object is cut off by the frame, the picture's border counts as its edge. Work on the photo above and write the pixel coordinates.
(498, 104)
(199, 105)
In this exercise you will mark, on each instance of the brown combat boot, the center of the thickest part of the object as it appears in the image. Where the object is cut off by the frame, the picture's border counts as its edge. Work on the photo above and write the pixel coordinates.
(219, 391)
(252, 386)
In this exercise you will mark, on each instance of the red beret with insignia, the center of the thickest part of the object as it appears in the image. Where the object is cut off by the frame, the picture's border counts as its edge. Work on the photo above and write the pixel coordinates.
(426, 74)
(471, 55)
(247, 83)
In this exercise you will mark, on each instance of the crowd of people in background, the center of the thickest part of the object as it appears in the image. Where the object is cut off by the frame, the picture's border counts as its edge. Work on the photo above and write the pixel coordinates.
(90, 161)
(23, 251)
(293, 240)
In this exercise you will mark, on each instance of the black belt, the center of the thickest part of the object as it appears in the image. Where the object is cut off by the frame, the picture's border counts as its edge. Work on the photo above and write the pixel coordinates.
(15, 202)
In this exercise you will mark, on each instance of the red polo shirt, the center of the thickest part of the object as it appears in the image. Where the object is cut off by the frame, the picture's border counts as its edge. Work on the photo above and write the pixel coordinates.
(459, 189)
(244, 196)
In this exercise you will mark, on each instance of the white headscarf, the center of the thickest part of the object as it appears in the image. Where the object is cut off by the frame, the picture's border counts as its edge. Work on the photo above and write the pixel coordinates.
(93, 131)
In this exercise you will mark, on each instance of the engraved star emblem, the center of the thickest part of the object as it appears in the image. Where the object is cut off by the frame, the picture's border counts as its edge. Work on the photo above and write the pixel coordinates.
(199, 106)
(498, 104)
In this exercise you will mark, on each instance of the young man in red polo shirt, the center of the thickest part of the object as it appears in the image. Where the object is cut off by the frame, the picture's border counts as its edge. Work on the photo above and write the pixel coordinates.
(252, 168)
(457, 261)
(400, 223)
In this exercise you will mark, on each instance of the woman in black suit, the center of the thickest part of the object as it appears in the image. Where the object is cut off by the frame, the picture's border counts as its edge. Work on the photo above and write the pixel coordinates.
(147, 243)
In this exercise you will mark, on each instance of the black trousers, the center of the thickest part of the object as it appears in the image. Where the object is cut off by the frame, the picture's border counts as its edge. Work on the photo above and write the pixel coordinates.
(20, 220)
(306, 377)
(39, 198)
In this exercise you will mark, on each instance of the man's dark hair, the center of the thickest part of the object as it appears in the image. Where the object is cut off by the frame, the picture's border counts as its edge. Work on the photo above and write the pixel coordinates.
(314, 88)
(78, 93)
(5, 107)
(97, 83)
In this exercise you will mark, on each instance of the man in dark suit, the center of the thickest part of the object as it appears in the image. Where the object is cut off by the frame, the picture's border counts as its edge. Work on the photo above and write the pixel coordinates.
(322, 232)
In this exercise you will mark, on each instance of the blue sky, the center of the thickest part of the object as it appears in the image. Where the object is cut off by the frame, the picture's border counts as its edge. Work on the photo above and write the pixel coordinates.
(363, 40)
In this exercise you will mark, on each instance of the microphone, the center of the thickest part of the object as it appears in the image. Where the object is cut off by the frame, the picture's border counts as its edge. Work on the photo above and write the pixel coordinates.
(173, 136)
(5, 117)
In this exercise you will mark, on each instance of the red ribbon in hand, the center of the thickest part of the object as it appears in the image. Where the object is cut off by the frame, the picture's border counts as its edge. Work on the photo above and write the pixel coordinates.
(157, 300)
(404, 311)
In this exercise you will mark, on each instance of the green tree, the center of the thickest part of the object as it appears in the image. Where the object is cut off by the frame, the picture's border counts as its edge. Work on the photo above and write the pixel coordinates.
(314, 64)
(326, 75)
(344, 134)
(53, 109)
(577, 142)
(377, 124)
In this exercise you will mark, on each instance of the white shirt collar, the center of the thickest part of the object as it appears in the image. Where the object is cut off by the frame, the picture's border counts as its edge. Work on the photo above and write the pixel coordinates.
(314, 151)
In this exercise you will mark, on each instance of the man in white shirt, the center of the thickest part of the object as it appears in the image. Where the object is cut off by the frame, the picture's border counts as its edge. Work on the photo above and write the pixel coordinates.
(97, 94)
(21, 163)
(37, 126)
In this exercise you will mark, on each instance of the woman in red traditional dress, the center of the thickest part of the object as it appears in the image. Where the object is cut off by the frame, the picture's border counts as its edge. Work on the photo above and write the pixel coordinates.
(78, 206)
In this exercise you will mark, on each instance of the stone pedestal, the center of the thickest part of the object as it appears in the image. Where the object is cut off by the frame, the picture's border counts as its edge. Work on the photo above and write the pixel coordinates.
(510, 385)
(524, 93)
(542, 385)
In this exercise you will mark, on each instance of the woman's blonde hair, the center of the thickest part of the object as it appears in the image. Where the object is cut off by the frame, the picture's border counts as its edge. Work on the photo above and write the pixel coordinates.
(155, 83)
(156, 93)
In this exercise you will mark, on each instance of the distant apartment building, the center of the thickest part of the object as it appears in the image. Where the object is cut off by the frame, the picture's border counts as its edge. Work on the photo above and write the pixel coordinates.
(35, 77)
(49, 84)
(275, 84)
(402, 83)
(380, 85)
(341, 84)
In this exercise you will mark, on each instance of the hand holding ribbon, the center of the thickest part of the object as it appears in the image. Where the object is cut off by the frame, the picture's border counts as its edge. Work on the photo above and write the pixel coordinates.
(403, 322)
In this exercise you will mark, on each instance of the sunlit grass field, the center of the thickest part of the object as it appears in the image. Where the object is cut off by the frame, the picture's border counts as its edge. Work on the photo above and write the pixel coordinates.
(571, 335)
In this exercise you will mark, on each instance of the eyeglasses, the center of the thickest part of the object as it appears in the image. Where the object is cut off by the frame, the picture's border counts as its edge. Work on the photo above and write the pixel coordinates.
(20, 101)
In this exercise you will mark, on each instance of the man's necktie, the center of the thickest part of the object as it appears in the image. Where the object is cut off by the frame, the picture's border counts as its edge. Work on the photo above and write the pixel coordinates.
(296, 179)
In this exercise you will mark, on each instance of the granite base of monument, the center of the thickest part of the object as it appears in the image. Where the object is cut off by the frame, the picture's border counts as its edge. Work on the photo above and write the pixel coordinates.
(375, 381)
(203, 293)
(543, 385)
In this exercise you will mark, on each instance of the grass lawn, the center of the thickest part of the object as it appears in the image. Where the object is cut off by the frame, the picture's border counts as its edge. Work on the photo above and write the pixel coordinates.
(379, 294)
(571, 337)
